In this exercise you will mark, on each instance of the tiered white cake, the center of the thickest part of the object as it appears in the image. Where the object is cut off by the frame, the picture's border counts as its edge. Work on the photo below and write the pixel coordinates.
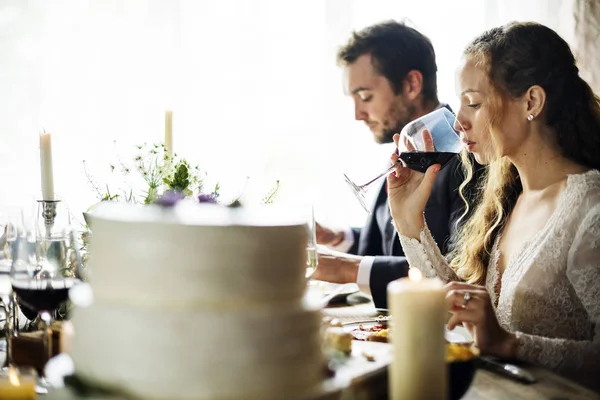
(198, 302)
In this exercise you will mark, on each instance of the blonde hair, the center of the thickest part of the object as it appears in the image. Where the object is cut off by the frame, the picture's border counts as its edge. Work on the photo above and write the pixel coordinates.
(515, 57)
(497, 190)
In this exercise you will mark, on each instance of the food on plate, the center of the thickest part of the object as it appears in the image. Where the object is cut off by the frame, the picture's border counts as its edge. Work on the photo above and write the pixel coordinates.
(460, 352)
(338, 339)
(379, 336)
(330, 321)
(368, 356)
(374, 333)
(381, 333)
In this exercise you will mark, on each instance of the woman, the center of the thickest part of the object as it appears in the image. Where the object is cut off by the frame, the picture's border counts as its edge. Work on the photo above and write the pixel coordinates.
(525, 275)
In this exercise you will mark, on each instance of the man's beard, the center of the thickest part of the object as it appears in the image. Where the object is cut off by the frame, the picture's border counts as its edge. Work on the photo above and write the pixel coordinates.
(399, 114)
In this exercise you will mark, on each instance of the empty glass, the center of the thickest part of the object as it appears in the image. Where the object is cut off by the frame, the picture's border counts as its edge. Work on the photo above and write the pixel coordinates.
(446, 144)
(311, 247)
(10, 227)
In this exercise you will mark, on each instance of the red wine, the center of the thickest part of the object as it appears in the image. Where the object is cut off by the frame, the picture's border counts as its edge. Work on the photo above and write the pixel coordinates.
(421, 160)
(35, 295)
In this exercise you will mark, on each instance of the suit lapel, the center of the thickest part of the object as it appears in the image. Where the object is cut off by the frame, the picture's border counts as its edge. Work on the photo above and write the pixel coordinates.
(384, 222)
(371, 240)
(390, 233)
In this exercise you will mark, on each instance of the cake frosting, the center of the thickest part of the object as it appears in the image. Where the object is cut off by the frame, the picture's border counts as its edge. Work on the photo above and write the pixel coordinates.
(199, 302)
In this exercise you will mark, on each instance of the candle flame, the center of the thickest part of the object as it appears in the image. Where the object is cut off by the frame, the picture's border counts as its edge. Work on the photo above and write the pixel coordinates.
(13, 378)
(414, 274)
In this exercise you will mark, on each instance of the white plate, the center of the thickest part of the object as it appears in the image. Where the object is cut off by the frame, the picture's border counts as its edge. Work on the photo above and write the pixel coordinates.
(325, 288)
(458, 335)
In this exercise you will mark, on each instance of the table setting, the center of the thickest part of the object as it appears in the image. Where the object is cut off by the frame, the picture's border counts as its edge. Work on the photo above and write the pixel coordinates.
(110, 323)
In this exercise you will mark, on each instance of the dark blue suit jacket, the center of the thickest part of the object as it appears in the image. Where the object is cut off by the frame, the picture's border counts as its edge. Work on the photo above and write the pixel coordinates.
(379, 238)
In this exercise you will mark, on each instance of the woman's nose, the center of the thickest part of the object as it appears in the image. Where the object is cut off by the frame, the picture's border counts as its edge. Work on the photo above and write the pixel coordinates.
(460, 123)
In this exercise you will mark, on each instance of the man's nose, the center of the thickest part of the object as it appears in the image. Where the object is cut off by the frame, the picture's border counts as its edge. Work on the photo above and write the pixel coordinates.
(359, 113)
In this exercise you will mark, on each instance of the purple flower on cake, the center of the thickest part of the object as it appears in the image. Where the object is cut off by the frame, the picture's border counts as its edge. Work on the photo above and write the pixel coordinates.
(170, 198)
(207, 198)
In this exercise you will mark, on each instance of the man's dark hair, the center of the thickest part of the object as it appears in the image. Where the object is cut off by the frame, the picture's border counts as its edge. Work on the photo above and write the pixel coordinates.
(395, 49)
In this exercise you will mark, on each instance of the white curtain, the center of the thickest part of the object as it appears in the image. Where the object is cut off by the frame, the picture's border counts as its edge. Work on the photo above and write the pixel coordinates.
(253, 86)
(587, 40)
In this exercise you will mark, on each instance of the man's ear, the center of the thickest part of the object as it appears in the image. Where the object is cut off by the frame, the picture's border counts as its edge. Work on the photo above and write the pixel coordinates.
(412, 85)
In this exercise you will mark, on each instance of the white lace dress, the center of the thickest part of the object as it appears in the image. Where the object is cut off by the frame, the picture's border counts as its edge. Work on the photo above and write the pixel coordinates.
(550, 290)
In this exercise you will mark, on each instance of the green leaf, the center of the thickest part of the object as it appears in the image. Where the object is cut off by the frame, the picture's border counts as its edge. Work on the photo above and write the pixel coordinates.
(181, 178)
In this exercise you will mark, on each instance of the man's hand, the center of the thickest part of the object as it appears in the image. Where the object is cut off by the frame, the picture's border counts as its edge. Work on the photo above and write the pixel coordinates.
(328, 237)
(337, 268)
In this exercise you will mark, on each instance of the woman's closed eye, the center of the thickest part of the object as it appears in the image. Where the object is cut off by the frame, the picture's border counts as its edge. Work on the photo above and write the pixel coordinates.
(474, 106)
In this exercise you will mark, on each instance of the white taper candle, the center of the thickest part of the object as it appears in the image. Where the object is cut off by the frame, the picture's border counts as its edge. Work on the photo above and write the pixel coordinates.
(47, 173)
(169, 132)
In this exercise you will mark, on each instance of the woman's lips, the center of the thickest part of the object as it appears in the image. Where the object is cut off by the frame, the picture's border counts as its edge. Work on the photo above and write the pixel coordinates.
(470, 145)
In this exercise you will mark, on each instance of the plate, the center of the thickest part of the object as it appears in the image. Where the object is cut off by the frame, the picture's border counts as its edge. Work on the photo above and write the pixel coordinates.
(458, 335)
(326, 288)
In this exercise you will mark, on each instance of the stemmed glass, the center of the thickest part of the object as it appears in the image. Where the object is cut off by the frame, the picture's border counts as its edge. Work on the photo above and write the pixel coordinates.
(38, 279)
(441, 125)
(10, 229)
(311, 247)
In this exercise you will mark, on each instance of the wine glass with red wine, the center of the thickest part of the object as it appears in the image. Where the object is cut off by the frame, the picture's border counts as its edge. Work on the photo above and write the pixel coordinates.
(441, 125)
(41, 278)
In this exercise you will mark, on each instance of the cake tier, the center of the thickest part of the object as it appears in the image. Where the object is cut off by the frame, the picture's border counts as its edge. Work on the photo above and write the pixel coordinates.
(195, 255)
(266, 352)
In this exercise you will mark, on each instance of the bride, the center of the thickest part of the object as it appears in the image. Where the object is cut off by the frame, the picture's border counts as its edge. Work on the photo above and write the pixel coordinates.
(524, 277)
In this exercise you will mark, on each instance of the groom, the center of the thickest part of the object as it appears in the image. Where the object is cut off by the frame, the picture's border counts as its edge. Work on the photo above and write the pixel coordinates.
(390, 72)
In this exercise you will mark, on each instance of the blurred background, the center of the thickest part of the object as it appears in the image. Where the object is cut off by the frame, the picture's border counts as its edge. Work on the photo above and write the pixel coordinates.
(253, 86)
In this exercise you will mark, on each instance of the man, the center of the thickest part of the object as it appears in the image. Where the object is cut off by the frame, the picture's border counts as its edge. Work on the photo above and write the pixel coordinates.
(390, 72)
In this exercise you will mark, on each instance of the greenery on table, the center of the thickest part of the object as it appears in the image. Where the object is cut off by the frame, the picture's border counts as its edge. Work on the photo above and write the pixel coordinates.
(151, 173)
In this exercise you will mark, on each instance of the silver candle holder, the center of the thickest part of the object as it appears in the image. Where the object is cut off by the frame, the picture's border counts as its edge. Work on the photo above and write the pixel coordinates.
(52, 241)
(59, 248)
(49, 214)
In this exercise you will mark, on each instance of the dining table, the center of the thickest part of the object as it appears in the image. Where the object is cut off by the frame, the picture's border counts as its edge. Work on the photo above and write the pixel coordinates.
(363, 375)
(486, 384)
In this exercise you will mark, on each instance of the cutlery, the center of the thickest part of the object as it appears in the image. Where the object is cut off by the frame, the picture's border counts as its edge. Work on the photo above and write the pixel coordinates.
(506, 369)
(325, 300)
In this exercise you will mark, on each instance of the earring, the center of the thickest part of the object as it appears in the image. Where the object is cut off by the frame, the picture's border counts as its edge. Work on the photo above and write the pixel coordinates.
(530, 117)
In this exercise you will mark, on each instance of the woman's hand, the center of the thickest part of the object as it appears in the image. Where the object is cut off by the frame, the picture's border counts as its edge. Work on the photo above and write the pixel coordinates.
(409, 190)
(471, 306)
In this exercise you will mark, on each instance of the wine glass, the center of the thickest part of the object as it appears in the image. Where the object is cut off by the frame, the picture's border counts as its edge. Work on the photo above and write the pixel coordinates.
(441, 125)
(9, 222)
(9, 229)
(311, 247)
(41, 278)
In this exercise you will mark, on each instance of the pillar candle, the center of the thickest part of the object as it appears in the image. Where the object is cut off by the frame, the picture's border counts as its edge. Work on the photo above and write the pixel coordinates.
(418, 309)
(169, 132)
(46, 166)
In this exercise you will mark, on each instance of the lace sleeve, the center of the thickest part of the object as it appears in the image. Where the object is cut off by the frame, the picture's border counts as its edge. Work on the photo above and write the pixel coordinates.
(427, 257)
(574, 357)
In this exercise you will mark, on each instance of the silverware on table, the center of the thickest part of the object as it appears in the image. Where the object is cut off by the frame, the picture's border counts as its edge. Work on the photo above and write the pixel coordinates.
(325, 300)
(506, 369)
